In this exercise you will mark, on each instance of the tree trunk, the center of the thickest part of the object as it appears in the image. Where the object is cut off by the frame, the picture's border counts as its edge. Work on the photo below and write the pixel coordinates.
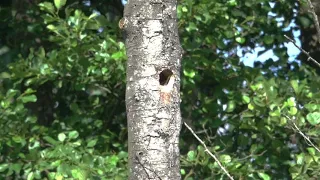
(309, 35)
(153, 87)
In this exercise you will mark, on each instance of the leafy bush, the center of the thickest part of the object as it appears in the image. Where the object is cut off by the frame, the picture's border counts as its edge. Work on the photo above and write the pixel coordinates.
(60, 102)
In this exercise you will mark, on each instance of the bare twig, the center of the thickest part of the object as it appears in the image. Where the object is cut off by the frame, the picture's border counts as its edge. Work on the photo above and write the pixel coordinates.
(208, 137)
(207, 150)
(315, 18)
(303, 51)
(302, 134)
(253, 155)
(189, 174)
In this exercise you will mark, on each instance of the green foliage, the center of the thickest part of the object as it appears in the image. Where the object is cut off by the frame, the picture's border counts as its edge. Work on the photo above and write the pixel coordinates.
(62, 86)
(246, 114)
(58, 100)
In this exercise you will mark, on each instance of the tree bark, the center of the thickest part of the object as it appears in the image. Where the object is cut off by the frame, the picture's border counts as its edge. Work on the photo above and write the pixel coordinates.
(153, 87)
(309, 36)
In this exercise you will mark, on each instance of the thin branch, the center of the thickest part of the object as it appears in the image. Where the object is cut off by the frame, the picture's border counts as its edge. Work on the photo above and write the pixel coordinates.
(315, 18)
(303, 51)
(207, 150)
(208, 137)
(303, 135)
(189, 174)
(253, 155)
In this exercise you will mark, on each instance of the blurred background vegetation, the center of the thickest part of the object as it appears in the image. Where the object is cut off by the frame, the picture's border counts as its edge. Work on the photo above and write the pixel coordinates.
(62, 87)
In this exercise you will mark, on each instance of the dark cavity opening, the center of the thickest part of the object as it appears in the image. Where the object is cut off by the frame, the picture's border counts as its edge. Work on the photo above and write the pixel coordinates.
(164, 77)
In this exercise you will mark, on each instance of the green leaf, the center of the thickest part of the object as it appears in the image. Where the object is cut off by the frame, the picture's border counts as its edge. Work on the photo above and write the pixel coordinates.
(104, 70)
(291, 101)
(275, 113)
(92, 142)
(247, 114)
(300, 158)
(184, 9)
(190, 73)
(301, 121)
(77, 174)
(293, 111)
(47, 6)
(192, 27)
(64, 168)
(237, 12)
(16, 167)
(182, 172)
(62, 137)
(231, 106)
(314, 118)
(30, 176)
(117, 55)
(295, 86)
(31, 119)
(50, 140)
(29, 91)
(5, 75)
(225, 159)
(100, 172)
(11, 93)
(264, 176)
(75, 108)
(240, 40)
(283, 121)
(113, 160)
(259, 102)
(232, 3)
(246, 99)
(93, 15)
(19, 139)
(254, 148)
(116, 144)
(311, 107)
(3, 167)
(77, 143)
(29, 98)
(191, 155)
(34, 145)
(122, 155)
(311, 151)
(73, 134)
(268, 40)
(228, 34)
(59, 3)
(250, 106)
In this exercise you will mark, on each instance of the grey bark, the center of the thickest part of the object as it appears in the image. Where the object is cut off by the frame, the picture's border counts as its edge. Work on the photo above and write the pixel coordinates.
(153, 86)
